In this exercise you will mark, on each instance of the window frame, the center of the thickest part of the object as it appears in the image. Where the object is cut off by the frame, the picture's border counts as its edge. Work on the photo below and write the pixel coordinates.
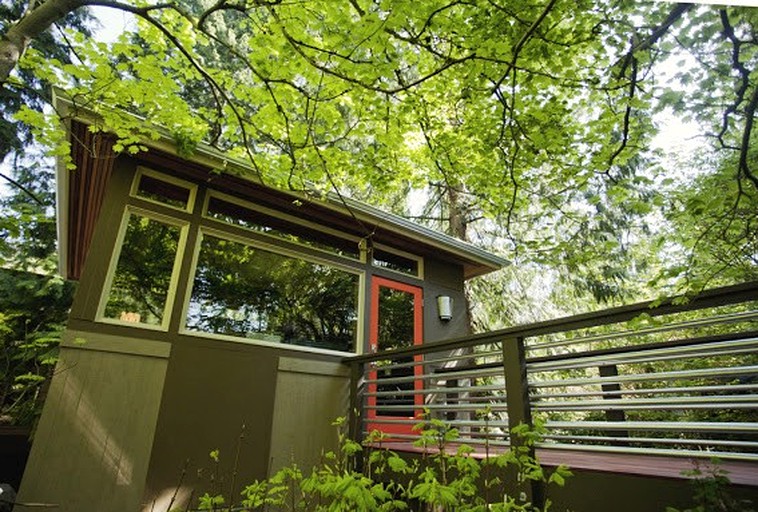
(283, 251)
(288, 218)
(183, 226)
(418, 259)
(160, 176)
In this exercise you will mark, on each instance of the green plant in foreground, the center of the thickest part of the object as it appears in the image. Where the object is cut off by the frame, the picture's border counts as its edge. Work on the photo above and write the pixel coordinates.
(447, 477)
(711, 490)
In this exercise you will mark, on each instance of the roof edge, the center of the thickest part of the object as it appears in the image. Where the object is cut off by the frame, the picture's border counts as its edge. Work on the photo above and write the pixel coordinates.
(204, 154)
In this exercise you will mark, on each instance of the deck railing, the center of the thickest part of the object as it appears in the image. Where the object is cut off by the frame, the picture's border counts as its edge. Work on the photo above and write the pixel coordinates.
(675, 378)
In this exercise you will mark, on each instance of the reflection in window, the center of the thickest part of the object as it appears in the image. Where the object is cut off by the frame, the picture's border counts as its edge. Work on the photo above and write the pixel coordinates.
(396, 262)
(163, 191)
(255, 220)
(395, 330)
(139, 290)
(248, 292)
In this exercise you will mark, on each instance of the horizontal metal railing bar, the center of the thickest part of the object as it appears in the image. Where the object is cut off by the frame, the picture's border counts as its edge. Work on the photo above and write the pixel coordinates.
(393, 420)
(432, 367)
(624, 426)
(436, 377)
(651, 391)
(463, 440)
(452, 423)
(476, 366)
(471, 372)
(687, 324)
(472, 393)
(437, 364)
(438, 407)
(459, 441)
(435, 407)
(409, 437)
(684, 426)
(711, 298)
(500, 424)
(646, 355)
(606, 352)
(500, 388)
(458, 356)
(390, 364)
(658, 440)
(442, 390)
(503, 441)
(714, 400)
(646, 407)
(738, 371)
(472, 399)
(406, 404)
(752, 457)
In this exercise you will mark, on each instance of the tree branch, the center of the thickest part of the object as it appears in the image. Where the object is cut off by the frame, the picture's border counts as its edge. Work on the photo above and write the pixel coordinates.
(750, 108)
(15, 41)
(22, 189)
(645, 44)
(524, 39)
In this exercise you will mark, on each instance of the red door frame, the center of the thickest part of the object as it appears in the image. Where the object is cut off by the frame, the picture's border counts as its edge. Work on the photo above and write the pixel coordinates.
(418, 336)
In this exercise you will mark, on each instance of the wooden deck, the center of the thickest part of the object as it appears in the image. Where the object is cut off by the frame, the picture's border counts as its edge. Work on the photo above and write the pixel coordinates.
(738, 472)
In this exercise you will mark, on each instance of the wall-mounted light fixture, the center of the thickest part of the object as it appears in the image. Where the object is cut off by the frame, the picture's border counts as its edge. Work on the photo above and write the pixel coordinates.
(445, 307)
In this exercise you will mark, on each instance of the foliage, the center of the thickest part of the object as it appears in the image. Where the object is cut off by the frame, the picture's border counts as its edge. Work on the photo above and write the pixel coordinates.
(711, 493)
(33, 304)
(713, 235)
(15, 135)
(530, 122)
(440, 481)
(33, 310)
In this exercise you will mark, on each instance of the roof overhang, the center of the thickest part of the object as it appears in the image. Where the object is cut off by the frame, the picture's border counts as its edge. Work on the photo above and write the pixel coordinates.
(386, 226)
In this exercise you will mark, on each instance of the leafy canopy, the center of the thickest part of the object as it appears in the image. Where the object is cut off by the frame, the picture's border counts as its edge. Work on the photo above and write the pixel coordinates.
(535, 115)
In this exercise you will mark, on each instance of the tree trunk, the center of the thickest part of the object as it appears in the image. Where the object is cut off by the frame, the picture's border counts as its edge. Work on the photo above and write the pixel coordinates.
(14, 43)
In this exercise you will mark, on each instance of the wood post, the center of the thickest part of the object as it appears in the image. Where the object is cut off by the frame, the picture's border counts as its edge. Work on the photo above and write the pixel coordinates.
(519, 409)
(355, 405)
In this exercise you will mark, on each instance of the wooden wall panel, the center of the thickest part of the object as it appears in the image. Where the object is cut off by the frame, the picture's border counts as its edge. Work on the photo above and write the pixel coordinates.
(310, 395)
(93, 442)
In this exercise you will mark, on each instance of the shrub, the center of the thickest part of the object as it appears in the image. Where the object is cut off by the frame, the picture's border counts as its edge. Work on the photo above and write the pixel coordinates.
(369, 478)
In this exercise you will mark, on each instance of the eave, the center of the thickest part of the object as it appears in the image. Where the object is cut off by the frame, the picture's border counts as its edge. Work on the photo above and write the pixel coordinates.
(78, 195)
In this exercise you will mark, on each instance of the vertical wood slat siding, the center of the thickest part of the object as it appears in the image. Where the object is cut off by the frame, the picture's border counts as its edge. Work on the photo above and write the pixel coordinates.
(93, 442)
(93, 156)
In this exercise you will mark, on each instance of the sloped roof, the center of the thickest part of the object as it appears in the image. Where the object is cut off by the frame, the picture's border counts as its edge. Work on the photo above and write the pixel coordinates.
(80, 195)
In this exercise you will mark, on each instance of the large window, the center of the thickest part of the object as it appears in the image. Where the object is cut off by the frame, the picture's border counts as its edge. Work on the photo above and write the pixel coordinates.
(140, 287)
(244, 291)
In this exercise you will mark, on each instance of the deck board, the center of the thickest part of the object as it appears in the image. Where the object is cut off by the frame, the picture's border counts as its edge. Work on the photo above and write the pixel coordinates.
(738, 472)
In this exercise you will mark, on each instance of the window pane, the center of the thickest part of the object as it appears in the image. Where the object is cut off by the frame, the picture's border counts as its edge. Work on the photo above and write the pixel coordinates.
(143, 274)
(164, 192)
(395, 330)
(258, 221)
(243, 291)
(395, 262)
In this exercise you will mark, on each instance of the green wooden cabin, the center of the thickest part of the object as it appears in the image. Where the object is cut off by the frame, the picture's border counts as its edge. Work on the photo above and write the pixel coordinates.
(213, 312)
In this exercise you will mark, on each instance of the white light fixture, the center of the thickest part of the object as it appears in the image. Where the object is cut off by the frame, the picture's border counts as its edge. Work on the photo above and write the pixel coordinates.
(445, 307)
